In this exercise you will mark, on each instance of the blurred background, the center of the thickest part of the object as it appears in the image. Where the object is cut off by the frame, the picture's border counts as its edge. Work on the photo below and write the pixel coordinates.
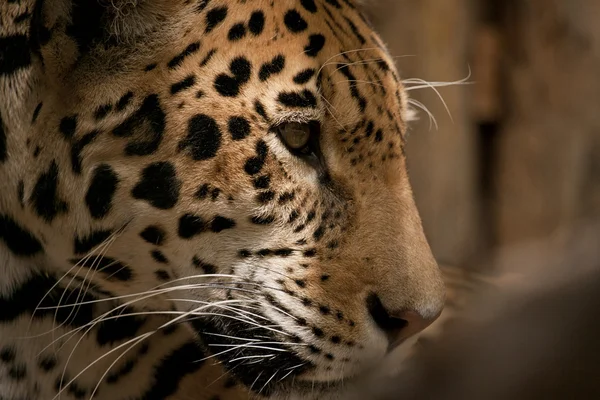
(513, 176)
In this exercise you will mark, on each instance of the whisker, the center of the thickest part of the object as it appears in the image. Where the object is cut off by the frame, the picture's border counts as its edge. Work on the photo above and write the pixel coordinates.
(420, 105)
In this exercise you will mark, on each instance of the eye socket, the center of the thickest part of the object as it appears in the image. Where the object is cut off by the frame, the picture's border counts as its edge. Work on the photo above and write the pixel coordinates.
(298, 137)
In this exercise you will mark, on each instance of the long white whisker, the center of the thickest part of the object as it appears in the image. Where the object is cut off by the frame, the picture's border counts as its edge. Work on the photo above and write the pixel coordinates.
(434, 85)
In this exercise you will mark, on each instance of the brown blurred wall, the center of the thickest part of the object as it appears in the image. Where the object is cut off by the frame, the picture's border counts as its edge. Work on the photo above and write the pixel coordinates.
(520, 160)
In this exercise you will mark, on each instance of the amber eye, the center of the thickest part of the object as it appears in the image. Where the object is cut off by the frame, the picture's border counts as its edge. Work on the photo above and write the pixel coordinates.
(298, 136)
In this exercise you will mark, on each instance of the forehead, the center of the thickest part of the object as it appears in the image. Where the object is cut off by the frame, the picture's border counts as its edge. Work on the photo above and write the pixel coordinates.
(275, 36)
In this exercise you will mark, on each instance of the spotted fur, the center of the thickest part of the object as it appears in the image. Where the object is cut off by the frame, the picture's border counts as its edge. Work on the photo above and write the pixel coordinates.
(157, 237)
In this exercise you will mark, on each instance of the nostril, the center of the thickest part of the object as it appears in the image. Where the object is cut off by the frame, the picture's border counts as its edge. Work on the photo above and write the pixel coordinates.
(397, 325)
(382, 317)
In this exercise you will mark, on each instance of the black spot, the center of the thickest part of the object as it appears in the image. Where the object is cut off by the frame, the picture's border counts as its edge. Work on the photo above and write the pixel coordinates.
(230, 86)
(336, 339)
(47, 362)
(285, 252)
(286, 197)
(83, 245)
(159, 257)
(36, 112)
(178, 59)
(310, 253)
(190, 225)
(108, 266)
(304, 76)
(244, 253)
(24, 16)
(3, 144)
(67, 126)
(260, 110)
(257, 22)
(304, 99)
(214, 17)
(294, 21)
(262, 220)
(262, 182)
(150, 67)
(183, 84)
(17, 372)
(293, 216)
(254, 164)
(208, 268)
(101, 191)
(202, 192)
(148, 123)
(319, 232)
(369, 129)
(78, 146)
(309, 5)
(239, 128)
(324, 277)
(172, 369)
(45, 198)
(220, 223)
(203, 138)
(8, 354)
(162, 275)
(315, 45)
(318, 332)
(86, 27)
(265, 197)
(124, 101)
(154, 235)
(77, 391)
(324, 310)
(334, 3)
(41, 293)
(264, 252)
(102, 111)
(159, 185)
(119, 325)
(207, 58)
(237, 32)
(14, 53)
(272, 67)
(379, 135)
(300, 282)
(201, 5)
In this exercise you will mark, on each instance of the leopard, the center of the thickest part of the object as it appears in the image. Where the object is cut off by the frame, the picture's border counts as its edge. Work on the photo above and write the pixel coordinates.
(203, 199)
